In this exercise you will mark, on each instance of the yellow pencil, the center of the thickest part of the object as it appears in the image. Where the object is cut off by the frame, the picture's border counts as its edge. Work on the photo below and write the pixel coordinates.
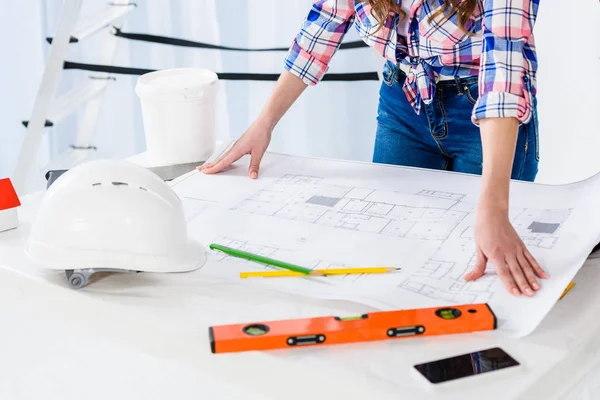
(325, 272)
(569, 287)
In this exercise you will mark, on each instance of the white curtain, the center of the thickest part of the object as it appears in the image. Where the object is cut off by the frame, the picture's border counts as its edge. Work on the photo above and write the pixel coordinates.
(119, 130)
(332, 119)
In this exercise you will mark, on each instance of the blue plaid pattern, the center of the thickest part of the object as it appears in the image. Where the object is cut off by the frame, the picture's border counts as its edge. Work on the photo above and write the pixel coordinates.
(499, 48)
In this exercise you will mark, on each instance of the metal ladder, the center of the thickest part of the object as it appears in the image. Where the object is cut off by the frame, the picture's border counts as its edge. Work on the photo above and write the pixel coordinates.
(49, 110)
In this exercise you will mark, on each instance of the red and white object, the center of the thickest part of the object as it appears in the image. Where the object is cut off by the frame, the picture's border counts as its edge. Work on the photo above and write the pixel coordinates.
(9, 201)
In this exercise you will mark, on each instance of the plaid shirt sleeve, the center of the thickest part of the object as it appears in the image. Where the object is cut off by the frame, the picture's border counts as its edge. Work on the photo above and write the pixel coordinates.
(321, 35)
(508, 60)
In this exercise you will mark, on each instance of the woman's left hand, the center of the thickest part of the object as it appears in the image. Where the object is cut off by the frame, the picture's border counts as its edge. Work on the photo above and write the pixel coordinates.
(498, 242)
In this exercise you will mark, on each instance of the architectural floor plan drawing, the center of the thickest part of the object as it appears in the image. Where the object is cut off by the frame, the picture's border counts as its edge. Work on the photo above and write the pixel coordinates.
(331, 214)
(427, 215)
(439, 278)
(540, 228)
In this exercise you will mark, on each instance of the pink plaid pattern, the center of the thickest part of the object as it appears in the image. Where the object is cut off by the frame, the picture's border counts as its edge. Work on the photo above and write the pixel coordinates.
(500, 49)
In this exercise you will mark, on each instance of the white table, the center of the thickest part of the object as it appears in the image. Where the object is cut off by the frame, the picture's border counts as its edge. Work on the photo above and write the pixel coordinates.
(144, 336)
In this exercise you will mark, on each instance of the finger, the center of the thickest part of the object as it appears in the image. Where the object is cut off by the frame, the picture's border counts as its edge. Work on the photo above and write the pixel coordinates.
(506, 277)
(527, 269)
(519, 277)
(212, 163)
(479, 269)
(232, 149)
(205, 165)
(256, 157)
(224, 163)
(536, 266)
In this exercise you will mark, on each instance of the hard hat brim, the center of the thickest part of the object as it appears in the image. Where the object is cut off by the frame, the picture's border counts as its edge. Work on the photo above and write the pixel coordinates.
(54, 258)
(195, 257)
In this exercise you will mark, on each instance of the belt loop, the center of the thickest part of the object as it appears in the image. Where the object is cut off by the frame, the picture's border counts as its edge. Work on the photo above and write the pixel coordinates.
(459, 87)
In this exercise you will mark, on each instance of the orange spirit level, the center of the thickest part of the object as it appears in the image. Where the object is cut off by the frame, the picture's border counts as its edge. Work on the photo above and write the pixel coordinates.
(380, 325)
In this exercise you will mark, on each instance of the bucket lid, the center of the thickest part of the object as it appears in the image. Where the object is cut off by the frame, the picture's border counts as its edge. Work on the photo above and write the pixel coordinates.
(177, 84)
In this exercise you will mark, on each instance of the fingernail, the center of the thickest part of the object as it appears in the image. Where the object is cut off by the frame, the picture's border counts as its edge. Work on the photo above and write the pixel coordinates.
(253, 175)
(528, 292)
(516, 292)
(535, 285)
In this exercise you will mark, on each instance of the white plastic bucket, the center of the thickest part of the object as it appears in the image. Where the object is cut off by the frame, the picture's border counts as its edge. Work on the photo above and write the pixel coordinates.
(178, 111)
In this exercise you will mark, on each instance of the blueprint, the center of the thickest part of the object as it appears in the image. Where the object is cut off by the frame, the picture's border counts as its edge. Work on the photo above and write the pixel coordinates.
(325, 214)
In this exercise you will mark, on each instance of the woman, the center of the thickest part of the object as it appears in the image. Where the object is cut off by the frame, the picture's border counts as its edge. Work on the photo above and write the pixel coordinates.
(458, 94)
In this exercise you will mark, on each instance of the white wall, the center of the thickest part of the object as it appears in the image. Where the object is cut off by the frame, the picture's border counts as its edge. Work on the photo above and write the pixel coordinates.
(326, 121)
(568, 39)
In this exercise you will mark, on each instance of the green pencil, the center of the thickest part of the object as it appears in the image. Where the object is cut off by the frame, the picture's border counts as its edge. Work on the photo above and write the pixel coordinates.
(265, 260)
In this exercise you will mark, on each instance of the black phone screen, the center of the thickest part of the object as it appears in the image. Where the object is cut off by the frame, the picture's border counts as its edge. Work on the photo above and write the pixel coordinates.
(465, 365)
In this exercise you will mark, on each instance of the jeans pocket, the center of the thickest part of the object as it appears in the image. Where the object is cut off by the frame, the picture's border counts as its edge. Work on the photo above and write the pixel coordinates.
(389, 73)
(472, 92)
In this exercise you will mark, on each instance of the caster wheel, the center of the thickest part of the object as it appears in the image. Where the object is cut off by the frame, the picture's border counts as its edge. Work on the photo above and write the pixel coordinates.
(77, 280)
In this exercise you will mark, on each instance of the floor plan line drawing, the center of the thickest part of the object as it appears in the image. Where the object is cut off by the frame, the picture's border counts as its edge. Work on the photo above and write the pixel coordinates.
(468, 232)
(427, 215)
(540, 228)
(444, 280)
(324, 214)
(444, 195)
(424, 215)
(250, 247)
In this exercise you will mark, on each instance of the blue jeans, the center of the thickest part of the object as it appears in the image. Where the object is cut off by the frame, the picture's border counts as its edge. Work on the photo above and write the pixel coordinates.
(442, 136)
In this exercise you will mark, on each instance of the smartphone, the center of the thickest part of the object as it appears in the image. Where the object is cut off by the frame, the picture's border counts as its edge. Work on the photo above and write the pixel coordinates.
(465, 365)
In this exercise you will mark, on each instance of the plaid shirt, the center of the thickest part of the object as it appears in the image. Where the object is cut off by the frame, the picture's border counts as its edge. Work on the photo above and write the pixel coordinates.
(500, 49)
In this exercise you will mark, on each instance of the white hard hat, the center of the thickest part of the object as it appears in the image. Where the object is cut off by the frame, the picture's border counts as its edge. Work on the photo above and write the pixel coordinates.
(108, 214)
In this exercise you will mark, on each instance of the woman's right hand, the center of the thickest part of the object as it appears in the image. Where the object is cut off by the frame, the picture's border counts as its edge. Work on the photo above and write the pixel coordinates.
(257, 138)
(253, 142)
